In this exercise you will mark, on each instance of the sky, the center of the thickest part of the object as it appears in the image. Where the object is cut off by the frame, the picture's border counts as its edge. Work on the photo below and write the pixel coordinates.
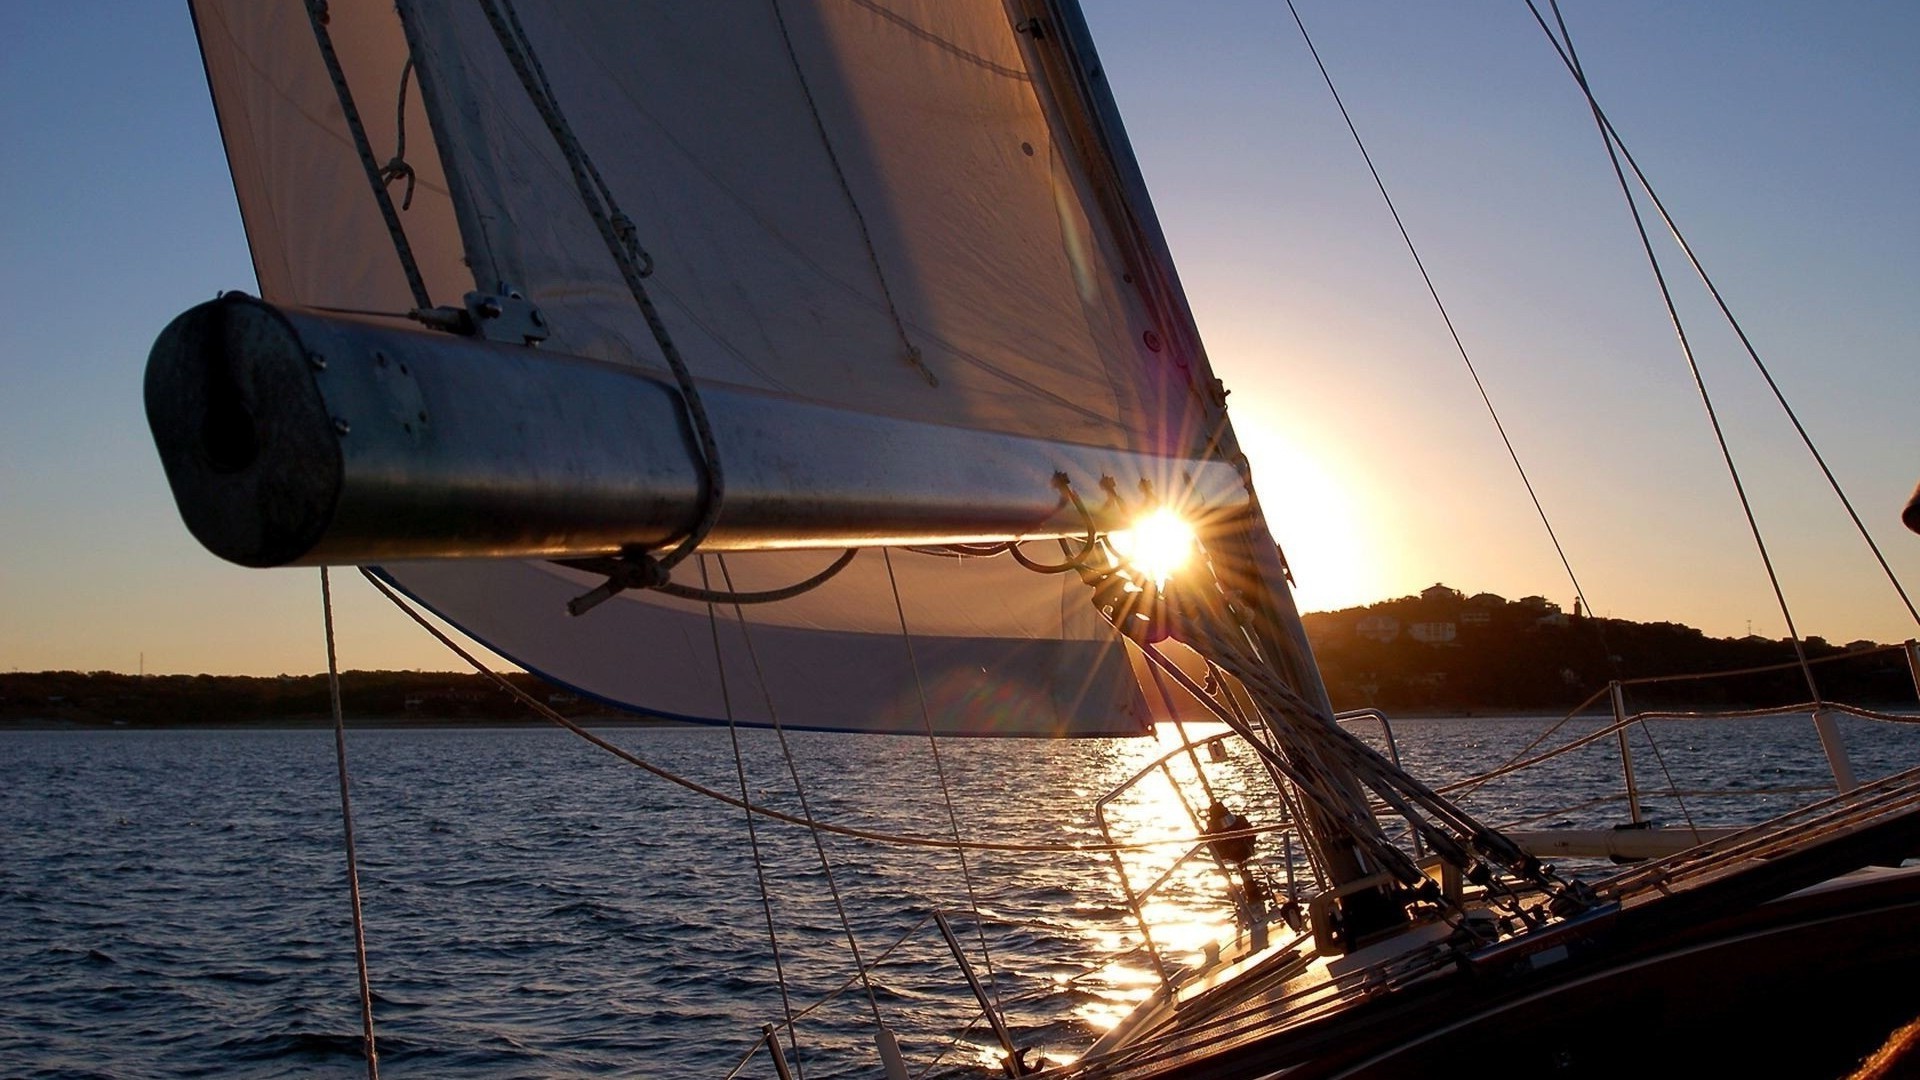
(1784, 136)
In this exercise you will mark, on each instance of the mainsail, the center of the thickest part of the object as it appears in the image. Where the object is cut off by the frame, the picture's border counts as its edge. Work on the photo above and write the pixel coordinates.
(888, 208)
(909, 217)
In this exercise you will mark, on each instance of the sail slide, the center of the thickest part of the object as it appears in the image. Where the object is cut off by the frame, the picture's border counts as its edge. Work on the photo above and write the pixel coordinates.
(876, 208)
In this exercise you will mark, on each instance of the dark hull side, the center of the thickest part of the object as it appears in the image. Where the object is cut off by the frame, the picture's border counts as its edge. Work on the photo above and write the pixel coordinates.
(1800, 986)
(1805, 986)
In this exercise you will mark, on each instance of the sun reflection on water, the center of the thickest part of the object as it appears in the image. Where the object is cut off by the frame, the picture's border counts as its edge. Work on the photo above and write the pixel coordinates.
(1181, 891)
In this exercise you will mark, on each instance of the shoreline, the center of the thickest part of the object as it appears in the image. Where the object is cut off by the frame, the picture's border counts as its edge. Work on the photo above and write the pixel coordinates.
(595, 720)
(406, 723)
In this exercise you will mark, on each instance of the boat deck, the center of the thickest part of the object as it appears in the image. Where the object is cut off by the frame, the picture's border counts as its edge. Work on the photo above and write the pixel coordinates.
(1730, 932)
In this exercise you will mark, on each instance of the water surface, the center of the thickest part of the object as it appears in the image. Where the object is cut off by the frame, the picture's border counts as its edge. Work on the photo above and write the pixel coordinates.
(175, 901)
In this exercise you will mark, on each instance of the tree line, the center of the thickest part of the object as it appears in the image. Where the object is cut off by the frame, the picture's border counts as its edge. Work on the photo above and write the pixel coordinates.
(1441, 651)
(1445, 651)
(100, 698)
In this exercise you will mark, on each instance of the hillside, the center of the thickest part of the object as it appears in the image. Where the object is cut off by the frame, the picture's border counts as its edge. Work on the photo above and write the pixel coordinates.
(1439, 652)
(104, 698)
(1446, 651)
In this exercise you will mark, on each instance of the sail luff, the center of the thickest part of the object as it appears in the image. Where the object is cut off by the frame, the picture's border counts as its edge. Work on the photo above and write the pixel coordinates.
(1244, 555)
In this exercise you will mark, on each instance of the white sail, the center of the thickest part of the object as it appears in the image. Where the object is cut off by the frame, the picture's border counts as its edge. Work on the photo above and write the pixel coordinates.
(916, 211)
(315, 232)
(826, 189)
(873, 205)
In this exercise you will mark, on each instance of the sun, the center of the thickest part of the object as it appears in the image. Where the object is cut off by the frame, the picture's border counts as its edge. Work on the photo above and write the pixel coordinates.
(1159, 545)
(1325, 520)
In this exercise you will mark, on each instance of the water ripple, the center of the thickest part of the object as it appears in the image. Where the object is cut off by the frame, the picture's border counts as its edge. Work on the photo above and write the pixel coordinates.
(175, 901)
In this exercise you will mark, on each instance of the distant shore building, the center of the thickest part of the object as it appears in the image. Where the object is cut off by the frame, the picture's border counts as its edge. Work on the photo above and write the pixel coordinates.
(1433, 633)
(1380, 628)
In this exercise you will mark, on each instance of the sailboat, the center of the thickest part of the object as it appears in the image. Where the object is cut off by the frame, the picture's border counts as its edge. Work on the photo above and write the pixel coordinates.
(795, 364)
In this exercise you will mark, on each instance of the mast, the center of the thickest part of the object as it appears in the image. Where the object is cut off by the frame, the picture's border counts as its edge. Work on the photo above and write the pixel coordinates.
(1246, 555)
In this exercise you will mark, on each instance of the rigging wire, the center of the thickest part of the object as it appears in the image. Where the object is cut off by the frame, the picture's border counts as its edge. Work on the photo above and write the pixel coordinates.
(800, 790)
(1613, 140)
(1450, 830)
(940, 770)
(1445, 317)
(1355, 830)
(1673, 784)
(753, 833)
(368, 1046)
(1609, 137)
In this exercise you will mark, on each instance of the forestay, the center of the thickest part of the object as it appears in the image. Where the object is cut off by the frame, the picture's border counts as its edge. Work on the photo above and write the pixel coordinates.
(877, 205)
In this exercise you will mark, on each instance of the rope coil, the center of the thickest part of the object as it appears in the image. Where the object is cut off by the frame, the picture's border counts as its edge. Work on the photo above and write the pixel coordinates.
(397, 167)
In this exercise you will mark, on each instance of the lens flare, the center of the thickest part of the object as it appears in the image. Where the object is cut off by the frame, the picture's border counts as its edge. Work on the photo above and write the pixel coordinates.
(1158, 545)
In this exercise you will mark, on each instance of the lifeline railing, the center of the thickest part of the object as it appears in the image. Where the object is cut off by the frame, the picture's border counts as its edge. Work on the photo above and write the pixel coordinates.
(1614, 693)
(1255, 920)
(1136, 899)
(1823, 713)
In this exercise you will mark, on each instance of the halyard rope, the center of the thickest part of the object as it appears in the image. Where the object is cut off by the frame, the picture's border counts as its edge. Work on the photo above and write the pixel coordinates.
(317, 15)
(617, 232)
(397, 167)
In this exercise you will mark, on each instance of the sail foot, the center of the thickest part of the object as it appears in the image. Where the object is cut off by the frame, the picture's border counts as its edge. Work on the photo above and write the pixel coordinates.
(295, 438)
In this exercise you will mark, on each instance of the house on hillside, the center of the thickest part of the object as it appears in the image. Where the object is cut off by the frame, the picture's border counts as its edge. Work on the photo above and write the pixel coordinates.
(1380, 628)
(1539, 611)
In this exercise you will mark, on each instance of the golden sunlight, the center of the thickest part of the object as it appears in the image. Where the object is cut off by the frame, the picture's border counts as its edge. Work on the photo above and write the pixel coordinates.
(1158, 545)
(1178, 890)
(1322, 522)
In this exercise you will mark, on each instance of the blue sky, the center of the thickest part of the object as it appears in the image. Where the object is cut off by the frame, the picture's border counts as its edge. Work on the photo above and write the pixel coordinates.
(1786, 136)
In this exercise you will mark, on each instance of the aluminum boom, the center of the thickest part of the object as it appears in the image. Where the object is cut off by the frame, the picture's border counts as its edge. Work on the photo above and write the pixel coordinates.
(296, 438)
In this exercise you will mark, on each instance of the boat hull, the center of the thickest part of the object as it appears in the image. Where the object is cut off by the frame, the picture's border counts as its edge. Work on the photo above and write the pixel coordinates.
(1804, 986)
